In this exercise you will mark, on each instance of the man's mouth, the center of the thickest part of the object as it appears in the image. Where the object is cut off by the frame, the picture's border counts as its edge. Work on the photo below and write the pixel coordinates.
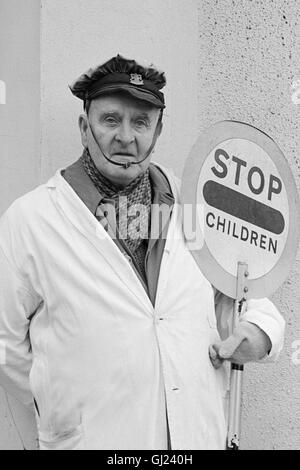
(123, 154)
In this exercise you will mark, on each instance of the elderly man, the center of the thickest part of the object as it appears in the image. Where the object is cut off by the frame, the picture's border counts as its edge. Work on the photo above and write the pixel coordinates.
(106, 319)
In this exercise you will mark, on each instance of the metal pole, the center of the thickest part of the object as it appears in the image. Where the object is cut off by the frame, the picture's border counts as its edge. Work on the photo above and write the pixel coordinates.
(236, 373)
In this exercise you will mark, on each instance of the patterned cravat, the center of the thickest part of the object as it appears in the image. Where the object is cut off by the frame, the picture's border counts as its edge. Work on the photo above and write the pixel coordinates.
(130, 207)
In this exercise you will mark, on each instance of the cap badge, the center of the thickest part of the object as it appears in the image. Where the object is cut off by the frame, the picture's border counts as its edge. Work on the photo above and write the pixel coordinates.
(136, 79)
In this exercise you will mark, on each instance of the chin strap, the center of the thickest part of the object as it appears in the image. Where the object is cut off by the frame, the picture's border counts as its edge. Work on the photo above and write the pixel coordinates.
(128, 164)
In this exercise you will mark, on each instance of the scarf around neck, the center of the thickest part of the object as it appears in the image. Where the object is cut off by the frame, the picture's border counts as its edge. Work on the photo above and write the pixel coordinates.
(136, 195)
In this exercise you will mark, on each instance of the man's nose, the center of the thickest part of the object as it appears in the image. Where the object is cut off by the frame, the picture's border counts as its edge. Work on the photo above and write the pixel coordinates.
(125, 134)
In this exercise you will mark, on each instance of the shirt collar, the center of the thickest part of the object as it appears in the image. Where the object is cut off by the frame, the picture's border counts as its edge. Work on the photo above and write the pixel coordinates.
(82, 184)
(160, 186)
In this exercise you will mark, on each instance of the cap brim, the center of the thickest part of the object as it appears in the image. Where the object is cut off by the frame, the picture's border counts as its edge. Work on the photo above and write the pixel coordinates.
(140, 94)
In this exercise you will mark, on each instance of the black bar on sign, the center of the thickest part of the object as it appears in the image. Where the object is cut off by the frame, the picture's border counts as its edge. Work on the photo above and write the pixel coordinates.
(243, 207)
(237, 366)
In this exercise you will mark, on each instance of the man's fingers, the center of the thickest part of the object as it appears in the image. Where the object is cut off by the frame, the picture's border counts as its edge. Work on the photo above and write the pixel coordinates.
(220, 351)
(247, 343)
(228, 347)
(216, 360)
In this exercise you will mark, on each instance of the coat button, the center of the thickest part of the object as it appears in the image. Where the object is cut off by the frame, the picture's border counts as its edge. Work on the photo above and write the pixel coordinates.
(128, 257)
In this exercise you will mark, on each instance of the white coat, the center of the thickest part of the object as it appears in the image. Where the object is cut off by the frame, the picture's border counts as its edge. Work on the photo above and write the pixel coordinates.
(104, 365)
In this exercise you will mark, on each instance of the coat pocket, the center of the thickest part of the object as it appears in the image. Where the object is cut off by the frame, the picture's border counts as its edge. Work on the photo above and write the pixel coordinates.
(39, 386)
(72, 439)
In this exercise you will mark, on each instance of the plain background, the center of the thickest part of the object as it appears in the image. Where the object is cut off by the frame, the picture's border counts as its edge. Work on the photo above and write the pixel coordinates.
(225, 59)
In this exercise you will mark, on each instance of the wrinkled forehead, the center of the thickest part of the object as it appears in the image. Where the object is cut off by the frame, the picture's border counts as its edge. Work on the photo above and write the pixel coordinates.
(121, 101)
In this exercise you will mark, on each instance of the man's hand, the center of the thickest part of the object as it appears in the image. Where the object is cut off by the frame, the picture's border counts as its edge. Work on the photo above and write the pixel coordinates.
(247, 343)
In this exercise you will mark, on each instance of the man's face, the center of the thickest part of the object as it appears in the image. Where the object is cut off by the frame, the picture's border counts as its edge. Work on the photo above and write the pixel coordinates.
(124, 128)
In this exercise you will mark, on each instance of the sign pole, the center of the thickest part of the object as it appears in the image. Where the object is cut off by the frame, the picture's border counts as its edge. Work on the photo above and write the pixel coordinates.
(236, 373)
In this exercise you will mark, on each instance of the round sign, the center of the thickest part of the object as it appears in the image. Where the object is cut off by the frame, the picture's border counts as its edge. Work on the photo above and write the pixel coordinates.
(240, 204)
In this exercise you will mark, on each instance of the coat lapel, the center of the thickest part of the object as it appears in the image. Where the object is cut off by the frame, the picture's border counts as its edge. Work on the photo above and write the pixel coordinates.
(174, 231)
(81, 217)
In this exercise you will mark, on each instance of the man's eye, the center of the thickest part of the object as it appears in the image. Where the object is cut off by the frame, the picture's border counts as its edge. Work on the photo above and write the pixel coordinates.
(141, 123)
(110, 120)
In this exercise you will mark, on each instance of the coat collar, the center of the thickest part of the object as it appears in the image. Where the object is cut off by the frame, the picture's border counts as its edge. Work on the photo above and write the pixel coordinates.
(75, 210)
(82, 184)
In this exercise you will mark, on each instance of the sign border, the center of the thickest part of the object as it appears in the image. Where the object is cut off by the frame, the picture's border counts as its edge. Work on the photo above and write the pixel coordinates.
(213, 271)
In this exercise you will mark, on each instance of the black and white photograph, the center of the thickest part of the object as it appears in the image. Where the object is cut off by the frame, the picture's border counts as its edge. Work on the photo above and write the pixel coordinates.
(149, 227)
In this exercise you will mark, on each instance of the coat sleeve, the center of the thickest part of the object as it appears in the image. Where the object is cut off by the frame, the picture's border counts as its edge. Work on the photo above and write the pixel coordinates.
(17, 304)
(261, 312)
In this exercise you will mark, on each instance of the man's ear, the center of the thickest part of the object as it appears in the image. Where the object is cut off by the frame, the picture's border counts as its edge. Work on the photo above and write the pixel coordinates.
(159, 125)
(83, 126)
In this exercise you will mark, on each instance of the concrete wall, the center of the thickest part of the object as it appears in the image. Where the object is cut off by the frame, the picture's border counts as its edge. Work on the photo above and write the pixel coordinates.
(19, 153)
(20, 116)
(79, 33)
(249, 67)
(223, 60)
